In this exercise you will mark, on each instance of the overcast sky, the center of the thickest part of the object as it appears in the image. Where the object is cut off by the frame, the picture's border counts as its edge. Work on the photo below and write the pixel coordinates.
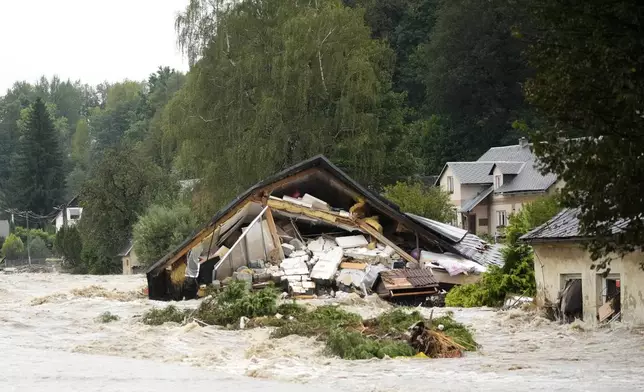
(90, 40)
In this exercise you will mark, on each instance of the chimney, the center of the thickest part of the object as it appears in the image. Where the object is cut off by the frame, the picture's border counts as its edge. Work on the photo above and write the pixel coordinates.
(523, 142)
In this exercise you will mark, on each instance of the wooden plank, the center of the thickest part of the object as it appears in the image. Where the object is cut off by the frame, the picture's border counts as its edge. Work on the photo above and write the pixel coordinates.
(356, 266)
(273, 230)
(374, 233)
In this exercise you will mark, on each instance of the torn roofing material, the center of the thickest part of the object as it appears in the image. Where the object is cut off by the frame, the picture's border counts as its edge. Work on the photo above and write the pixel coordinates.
(263, 189)
(466, 244)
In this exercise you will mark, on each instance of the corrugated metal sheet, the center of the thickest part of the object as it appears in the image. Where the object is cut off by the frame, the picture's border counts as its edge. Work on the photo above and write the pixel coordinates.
(466, 244)
(450, 232)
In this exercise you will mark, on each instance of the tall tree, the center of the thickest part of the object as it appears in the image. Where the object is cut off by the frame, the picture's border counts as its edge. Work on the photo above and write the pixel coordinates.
(281, 81)
(120, 188)
(473, 75)
(589, 84)
(38, 181)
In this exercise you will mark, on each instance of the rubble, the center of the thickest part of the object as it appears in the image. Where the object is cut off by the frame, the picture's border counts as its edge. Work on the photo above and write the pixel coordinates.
(313, 231)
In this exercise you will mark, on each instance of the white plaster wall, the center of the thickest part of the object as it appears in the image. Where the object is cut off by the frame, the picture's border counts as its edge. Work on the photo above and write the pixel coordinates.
(552, 260)
(468, 192)
(456, 196)
(481, 211)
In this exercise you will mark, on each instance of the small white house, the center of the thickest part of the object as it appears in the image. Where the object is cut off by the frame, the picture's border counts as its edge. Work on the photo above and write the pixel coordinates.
(131, 264)
(73, 212)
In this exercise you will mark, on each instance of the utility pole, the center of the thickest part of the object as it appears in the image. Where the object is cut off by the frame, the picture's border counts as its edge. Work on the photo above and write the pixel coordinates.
(28, 250)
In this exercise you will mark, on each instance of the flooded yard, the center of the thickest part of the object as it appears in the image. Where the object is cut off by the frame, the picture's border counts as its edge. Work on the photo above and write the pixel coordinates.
(50, 339)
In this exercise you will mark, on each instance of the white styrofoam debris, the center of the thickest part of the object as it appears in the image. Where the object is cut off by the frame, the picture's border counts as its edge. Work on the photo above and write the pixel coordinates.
(452, 263)
(388, 251)
(328, 264)
(288, 249)
(315, 202)
(308, 285)
(345, 214)
(316, 245)
(295, 265)
(352, 241)
(297, 201)
(350, 277)
(372, 274)
(380, 246)
(299, 253)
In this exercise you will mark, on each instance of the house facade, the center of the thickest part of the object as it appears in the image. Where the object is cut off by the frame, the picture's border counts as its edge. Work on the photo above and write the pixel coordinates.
(560, 259)
(487, 191)
(129, 259)
(69, 215)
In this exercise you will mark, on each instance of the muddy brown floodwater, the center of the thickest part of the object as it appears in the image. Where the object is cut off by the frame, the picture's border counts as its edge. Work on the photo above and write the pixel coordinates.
(50, 340)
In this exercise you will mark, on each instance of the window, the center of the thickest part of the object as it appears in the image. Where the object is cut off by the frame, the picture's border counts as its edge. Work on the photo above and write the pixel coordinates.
(498, 181)
(450, 184)
(501, 219)
(74, 213)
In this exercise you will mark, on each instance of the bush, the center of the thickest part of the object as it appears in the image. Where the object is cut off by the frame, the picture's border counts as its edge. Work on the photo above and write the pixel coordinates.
(107, 317)
(46, 237)
(168, 314)
(235, 301)
(38, 248)
(161, 229)
(69, 246)
(319, 322)
(13, 247)
(517, 274)
(354, 345)
(417, 198)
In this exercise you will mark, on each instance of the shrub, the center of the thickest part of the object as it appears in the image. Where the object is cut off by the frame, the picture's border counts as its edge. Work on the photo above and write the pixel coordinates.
(354, 345)
(161, 229)
(46, 237)
(107, 317)
(235, 301)
(38, 248)
(417, 198)
(13, 247)
(168, 314)
(319, 322)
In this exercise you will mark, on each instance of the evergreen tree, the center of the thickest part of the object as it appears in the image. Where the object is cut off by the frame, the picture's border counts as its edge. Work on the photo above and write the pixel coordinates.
(38, 180)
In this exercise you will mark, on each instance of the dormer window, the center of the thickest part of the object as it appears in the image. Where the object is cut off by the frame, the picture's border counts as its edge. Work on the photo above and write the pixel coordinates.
(498, 181)
(450, 184)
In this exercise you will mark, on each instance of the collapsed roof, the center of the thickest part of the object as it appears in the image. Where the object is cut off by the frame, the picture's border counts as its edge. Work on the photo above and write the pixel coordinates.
(277, 198)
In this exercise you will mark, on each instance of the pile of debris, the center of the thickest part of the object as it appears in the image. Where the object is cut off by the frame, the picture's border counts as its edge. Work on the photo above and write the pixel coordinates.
(313, 231)
(347, 263)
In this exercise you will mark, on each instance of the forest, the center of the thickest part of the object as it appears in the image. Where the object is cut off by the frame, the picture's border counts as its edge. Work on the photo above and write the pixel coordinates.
(388, 90)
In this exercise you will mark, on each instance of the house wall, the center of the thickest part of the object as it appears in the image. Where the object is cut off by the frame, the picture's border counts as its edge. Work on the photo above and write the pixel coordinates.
(482, 212)
(510, 204)
(554, 260)
(70, 222)
(456, 196)
(4, 229)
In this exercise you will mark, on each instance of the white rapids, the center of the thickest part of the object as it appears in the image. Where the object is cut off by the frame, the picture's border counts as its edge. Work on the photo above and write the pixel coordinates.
(50, 340)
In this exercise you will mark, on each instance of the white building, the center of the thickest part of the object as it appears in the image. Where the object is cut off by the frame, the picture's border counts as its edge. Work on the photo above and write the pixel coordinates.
(73, 212)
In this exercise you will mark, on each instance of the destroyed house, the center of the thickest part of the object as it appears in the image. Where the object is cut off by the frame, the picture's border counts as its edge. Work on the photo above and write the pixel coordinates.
(309, 227)
(567, 281)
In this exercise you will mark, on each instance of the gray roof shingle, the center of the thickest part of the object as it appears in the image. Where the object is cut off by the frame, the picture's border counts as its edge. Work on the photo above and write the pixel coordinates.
(508, 167)
(470, 204)
(516, 153)
(472, 172)
(564, 225)
(529, 179)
